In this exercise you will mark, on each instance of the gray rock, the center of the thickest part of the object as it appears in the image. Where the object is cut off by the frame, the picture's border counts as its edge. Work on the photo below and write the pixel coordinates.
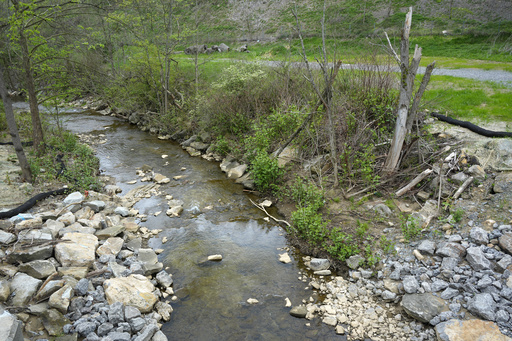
(116, 313)
(477, 260)
(134, 244)
(164, 309)
(410, 284)
(502, 316)
(159, 336)
(449, 293)
(131, 312)
(388, 295)
(95, 205)
(451, 250)
(427, 246)
(382, 209)
(122, 211)
(53, 226)
(150, 262)
(459, 178)
(82, 287)
(317, 264)
(73, 198)
(438, 285)
(477, 171)
(10, 328)
(423, 307)
(53, 321)
(137, 323)
(119, 336)
(30, 254)
(110, 231)
(6, 237)
(479, 236)
(354, 261)
(38, 268)
(24, 287)
(505, 242)
(504, 263)
(449, 263)
(299, 311)
(164, 279)
(483, 305)
(147, 333)
(85, 328)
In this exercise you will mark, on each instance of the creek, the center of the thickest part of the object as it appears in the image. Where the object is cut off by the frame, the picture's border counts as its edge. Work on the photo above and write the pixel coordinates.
(218, 218)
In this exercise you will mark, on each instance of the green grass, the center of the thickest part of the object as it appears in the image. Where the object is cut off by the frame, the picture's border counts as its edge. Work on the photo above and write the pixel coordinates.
(469, 99)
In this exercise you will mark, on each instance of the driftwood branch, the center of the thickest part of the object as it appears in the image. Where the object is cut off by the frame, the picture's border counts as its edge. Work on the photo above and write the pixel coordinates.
(413, 183)
(269, 215)
(463, 187)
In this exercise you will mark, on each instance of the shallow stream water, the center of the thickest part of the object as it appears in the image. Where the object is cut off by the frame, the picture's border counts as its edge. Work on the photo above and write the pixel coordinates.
(218, 218)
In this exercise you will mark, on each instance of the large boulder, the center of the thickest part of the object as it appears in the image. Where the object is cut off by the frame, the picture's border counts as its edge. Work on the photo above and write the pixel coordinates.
(196, 49)
(223, 48)
(423, 307)
(134, 290)
(470, 330)
(79, 251)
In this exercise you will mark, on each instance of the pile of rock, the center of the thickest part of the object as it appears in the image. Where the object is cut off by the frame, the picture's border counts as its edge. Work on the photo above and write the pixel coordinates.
(429, 287)
(82, 269)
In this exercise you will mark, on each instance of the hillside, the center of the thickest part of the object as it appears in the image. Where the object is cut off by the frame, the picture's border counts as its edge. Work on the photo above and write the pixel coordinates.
(273, 19)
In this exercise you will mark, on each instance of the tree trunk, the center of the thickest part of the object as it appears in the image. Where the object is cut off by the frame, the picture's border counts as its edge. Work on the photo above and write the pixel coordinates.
(405, 116)
(26, 174)
(37, 128)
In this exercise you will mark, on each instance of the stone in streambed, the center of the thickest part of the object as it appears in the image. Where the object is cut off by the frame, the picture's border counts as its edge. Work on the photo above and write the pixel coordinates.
(299, 311)
(285, 258)
(215, 258)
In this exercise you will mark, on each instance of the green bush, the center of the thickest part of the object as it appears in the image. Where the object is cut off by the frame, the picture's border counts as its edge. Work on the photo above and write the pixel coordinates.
(266, 172)
(81, 165)
(307, 194)
(340, 245)
(309, 224)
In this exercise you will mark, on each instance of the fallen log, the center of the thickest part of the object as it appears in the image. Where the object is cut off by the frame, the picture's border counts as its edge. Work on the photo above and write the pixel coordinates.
(413, 183)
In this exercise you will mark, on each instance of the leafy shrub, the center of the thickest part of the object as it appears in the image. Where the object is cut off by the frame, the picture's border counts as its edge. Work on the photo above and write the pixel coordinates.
(340, 244)
(266, 172)
(81, 165)
(307, 194)
(309, 224)
(236, 78)
(411, 227)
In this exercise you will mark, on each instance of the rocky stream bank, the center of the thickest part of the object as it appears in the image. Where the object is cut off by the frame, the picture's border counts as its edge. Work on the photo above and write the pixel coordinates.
(454, 283)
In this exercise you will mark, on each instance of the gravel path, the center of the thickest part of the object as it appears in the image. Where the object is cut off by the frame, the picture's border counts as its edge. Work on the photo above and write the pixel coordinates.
(499, 76)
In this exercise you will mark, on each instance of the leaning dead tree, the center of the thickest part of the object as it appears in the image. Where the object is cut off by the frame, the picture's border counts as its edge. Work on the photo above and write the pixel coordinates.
(407, 106)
